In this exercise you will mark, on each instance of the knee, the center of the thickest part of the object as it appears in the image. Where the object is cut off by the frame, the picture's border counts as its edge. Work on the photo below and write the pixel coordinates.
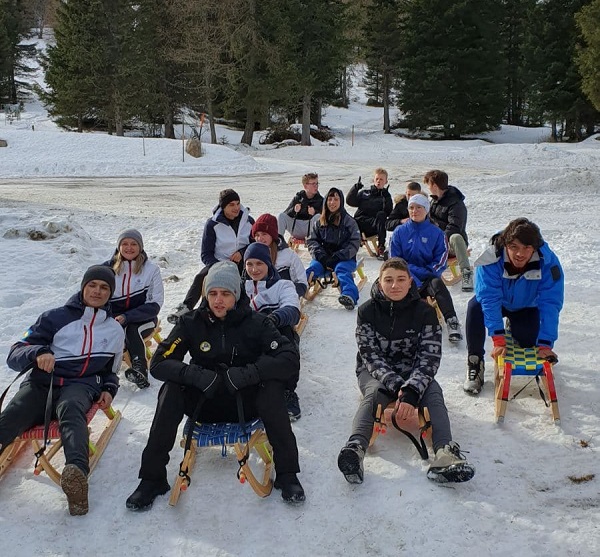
(457, 241)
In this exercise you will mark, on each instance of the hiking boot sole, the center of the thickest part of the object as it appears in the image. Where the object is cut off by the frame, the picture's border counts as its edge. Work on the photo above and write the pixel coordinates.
(453, 474)
(137, 379)
(75, 486)
(349, 465)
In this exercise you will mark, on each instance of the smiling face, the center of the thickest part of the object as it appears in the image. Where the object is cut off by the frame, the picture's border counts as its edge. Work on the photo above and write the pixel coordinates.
(519, 254)
(395, 284)
(334, 202)
(129, 249)
(220, 301)
(232, 210)
(263, 238)
(256, 269)
(96, 293)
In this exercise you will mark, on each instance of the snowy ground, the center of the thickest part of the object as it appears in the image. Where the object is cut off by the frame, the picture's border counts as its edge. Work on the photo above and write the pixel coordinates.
(79, 190)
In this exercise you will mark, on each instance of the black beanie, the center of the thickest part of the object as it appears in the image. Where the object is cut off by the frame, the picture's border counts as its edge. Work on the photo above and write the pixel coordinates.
(99, 272)
(226, 197)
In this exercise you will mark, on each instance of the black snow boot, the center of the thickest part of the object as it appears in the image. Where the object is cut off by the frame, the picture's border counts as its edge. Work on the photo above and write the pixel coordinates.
(291, 489)
(138, 374)
(350, 462)
(143, 497)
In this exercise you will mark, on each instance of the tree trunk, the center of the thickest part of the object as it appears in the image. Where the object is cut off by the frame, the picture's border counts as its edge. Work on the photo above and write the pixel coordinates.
(79, 123)
(211, 122)
(169, 124)
(306, 120)
(386, 102)
(249, 128)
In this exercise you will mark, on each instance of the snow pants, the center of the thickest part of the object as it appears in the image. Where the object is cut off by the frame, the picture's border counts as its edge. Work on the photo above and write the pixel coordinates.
(343, 271)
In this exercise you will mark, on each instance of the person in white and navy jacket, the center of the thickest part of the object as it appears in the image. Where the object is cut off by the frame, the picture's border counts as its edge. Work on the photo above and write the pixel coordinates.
(226, 236)
(136, 300)
(277, 298)
(76, 350)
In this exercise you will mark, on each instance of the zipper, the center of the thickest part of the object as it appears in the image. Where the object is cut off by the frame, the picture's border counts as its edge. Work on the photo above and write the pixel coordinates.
(91, 342)
(128, 277)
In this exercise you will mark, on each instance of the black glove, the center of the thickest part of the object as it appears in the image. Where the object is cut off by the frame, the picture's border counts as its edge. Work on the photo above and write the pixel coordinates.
(202, 378)
(237, 378)
(333, 261)
(359, 184)
(275, 318)
(410, 397)
(323, 260)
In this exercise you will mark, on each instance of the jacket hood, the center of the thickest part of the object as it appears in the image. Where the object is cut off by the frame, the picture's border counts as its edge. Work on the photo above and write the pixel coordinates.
(451, 193)
(76, 302)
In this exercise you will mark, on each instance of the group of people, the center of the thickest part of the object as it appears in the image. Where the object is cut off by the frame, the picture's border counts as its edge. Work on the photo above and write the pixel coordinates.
(241, 340)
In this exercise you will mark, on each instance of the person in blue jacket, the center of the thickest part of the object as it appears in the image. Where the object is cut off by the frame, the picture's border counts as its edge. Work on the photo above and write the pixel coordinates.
(76, 351)
(136, 300)
(425, 248)
(333, 243)
(518, 277)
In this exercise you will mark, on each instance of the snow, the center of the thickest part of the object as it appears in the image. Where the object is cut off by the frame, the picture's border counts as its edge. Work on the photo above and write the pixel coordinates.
(80, 190)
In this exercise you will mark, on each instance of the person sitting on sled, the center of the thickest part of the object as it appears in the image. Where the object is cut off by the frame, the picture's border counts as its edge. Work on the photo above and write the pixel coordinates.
(399, 351)
(233, 350)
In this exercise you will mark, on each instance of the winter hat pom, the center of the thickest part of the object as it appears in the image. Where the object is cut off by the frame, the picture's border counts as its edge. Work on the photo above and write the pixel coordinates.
(134, 235)
(100, 272)
(258, 251)
(226, 197)
(224, 274)
(266, 223)
(421, 200)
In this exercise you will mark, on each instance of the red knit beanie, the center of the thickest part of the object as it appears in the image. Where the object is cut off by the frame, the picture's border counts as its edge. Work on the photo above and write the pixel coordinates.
(266, 223)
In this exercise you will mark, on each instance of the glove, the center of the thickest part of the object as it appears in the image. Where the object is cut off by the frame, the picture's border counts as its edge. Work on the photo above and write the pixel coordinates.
(499, 346)
(323, 261)
(237, 378)
(359, 184)
(202, 378)
(333, 261)
(275, 318)
(546, 353)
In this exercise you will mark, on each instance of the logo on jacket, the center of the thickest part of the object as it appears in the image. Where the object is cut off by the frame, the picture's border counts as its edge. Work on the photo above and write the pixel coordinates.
(205, 346)
(274, 345)
(424, 239)
(104, 343)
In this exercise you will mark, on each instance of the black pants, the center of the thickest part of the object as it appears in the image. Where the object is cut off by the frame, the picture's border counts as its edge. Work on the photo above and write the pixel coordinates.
(70, 406)
(135, 333)
(174, 400)
(373, 226)
(524, 327)
(195, 292)
(436, 288)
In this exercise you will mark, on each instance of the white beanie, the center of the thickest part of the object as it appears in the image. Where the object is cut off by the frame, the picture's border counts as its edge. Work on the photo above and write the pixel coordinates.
(421, 200)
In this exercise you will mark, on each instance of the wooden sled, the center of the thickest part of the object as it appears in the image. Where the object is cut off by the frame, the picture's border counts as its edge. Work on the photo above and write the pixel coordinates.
(253, 438)
(301, 325)
(452, 274)
(370, 244)
(523, 361)
(418, 427)
(154, 336)
(296, 243)
(35, 435)
(317, 285)
(433, 303)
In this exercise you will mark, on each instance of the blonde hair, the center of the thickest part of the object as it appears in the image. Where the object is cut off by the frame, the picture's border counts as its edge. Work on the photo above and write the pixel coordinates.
(119, 261)
(381, 171)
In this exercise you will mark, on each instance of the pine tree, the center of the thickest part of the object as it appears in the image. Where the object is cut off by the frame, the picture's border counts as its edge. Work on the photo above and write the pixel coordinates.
(588, 57)
(451, 68)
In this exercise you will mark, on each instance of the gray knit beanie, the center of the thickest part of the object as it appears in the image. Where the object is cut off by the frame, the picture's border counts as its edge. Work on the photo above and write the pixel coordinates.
(99, 272)
(224, 274)
(134, 235)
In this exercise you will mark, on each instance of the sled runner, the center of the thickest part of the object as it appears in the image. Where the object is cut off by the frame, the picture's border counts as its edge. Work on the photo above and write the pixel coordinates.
(417, 428)
(452, 274)
(523, 361)
(296, 243)
(315, 285)
(248, 441)
(36, 436)
(370, 244)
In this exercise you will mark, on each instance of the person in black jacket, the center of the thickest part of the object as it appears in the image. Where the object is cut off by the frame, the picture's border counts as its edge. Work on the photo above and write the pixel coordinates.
(233, 351)
(333, 243)
(399, 214)
(399, 351)
(374, 206)
(303, 207)
(448, 211)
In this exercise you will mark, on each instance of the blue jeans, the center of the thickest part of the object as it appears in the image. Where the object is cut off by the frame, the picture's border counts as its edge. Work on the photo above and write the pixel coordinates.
(343, 271)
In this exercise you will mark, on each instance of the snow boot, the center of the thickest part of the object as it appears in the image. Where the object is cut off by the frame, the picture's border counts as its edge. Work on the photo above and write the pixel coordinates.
(291, 489)
(347, 302)
(467, 280)
(74, 484)
(475, 375)
(450, 465)
(143, 497)
(137, 374)
(350, 462)
(180, 310)
(454, 334)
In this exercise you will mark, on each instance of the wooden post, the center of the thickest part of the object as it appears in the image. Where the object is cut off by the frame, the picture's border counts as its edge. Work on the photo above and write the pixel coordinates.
(183, 140)
(352, 135)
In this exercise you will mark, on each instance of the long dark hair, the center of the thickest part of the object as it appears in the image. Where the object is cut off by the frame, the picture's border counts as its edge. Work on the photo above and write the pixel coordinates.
(327, 217)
